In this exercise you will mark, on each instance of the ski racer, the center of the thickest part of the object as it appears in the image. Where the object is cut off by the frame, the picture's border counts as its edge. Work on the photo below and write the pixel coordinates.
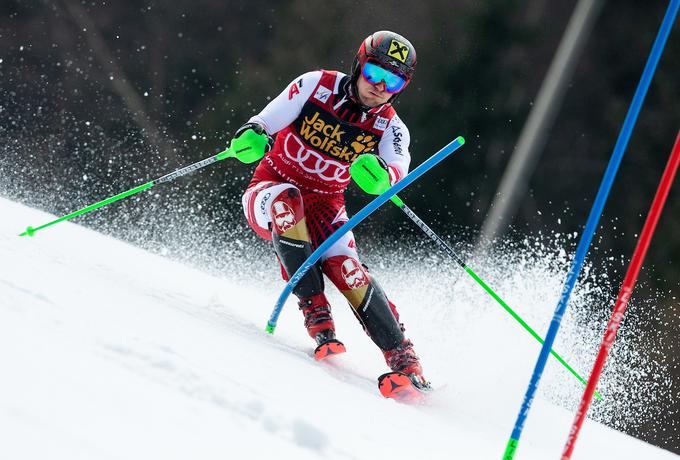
(323, 122)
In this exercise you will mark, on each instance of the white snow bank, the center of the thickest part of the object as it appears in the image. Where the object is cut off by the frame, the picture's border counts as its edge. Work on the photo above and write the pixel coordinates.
(109, 352)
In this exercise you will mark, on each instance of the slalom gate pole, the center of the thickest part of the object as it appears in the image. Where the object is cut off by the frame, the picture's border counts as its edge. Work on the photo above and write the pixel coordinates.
(591, 224)
(30, 231)
(624, 294)
(447, 249)
(354, 221)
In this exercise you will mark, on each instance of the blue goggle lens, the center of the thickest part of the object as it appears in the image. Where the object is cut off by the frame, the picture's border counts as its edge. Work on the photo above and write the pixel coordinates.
(374, 74)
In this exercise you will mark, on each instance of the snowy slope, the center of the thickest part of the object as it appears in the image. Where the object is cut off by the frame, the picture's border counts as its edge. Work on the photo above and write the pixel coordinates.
(108, 351)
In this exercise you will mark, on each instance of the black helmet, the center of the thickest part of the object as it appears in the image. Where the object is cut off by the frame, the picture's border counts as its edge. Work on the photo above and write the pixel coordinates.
(390, 50)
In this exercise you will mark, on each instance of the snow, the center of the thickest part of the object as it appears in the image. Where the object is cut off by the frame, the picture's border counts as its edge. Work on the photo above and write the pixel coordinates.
(111, 352)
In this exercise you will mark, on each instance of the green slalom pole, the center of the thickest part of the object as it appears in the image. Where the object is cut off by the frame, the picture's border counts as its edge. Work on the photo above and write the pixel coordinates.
(446, 248)
(30, 231)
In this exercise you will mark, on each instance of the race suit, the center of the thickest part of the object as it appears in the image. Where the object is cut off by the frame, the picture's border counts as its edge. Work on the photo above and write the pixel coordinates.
(296, 196)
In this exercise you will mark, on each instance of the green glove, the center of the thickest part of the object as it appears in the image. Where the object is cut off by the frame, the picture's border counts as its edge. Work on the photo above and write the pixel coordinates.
(370, 173)
(250, 143)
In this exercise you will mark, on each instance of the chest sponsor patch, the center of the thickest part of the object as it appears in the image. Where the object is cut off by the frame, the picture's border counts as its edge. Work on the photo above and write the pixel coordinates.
(322, 94)
(380, 123)
(328, 135)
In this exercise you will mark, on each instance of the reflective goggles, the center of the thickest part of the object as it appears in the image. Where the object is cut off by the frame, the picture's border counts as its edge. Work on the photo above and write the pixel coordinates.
(374, 74)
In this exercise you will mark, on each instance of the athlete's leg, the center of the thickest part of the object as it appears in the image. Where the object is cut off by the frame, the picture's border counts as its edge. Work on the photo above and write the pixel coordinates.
(375, 312)
(276, 211)
(369, 302)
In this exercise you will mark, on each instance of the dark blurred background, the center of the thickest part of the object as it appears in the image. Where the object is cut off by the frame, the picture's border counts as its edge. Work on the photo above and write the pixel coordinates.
(97, 97)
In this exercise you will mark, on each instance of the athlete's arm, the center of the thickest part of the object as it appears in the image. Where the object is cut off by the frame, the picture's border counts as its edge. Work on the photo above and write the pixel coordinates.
(286, 107)
(393, 148)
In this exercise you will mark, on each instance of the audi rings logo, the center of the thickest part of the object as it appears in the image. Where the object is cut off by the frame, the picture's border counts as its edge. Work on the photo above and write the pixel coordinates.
(313, 162)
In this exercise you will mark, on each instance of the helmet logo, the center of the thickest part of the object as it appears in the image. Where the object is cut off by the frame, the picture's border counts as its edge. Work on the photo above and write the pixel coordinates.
(353, 274)
(398, 51)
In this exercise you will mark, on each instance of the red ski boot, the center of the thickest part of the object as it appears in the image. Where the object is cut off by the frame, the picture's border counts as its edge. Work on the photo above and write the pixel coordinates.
(406, 381)
(320, 326)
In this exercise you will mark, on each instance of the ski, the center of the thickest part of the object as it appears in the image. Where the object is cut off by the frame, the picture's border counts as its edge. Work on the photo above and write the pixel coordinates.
(329, 348)
(393, 385)
(403, 388)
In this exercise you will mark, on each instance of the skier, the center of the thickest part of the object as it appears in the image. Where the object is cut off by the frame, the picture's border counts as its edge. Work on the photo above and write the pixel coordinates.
(323, 122)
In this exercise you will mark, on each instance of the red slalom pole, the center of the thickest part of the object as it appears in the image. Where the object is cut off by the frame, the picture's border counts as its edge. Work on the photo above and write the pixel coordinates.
(624, 294)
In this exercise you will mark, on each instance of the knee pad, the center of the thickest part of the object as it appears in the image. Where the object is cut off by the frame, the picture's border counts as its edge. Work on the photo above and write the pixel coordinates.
(349, 276)
(287, 213)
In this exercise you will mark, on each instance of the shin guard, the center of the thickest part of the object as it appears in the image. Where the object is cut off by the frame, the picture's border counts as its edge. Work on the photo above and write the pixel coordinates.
(291, 240)
(368, 300)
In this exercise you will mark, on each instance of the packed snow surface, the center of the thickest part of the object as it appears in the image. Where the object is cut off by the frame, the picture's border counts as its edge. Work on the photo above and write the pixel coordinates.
(111, 352)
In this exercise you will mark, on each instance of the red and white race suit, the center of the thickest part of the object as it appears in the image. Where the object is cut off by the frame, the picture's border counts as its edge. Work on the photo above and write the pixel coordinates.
(320, 131)
(296, 197)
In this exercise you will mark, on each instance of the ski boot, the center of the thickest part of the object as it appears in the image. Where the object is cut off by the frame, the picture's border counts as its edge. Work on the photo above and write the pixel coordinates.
(320, 326)
(406, 381)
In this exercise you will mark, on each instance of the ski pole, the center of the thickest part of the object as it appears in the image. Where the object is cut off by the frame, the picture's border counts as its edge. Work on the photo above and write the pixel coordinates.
(30, 231)
(354, 221)
(592, 223)
(625, 292)
(446, 248)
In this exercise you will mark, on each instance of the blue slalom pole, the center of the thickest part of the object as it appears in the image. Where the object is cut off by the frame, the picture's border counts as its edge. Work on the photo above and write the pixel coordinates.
(593, 219)
(354, 221)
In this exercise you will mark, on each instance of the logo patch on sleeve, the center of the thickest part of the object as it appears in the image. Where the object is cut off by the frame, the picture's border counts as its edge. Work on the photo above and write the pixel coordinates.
(398, 51)
(294, 90)
(380, 123)
(322, 94)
